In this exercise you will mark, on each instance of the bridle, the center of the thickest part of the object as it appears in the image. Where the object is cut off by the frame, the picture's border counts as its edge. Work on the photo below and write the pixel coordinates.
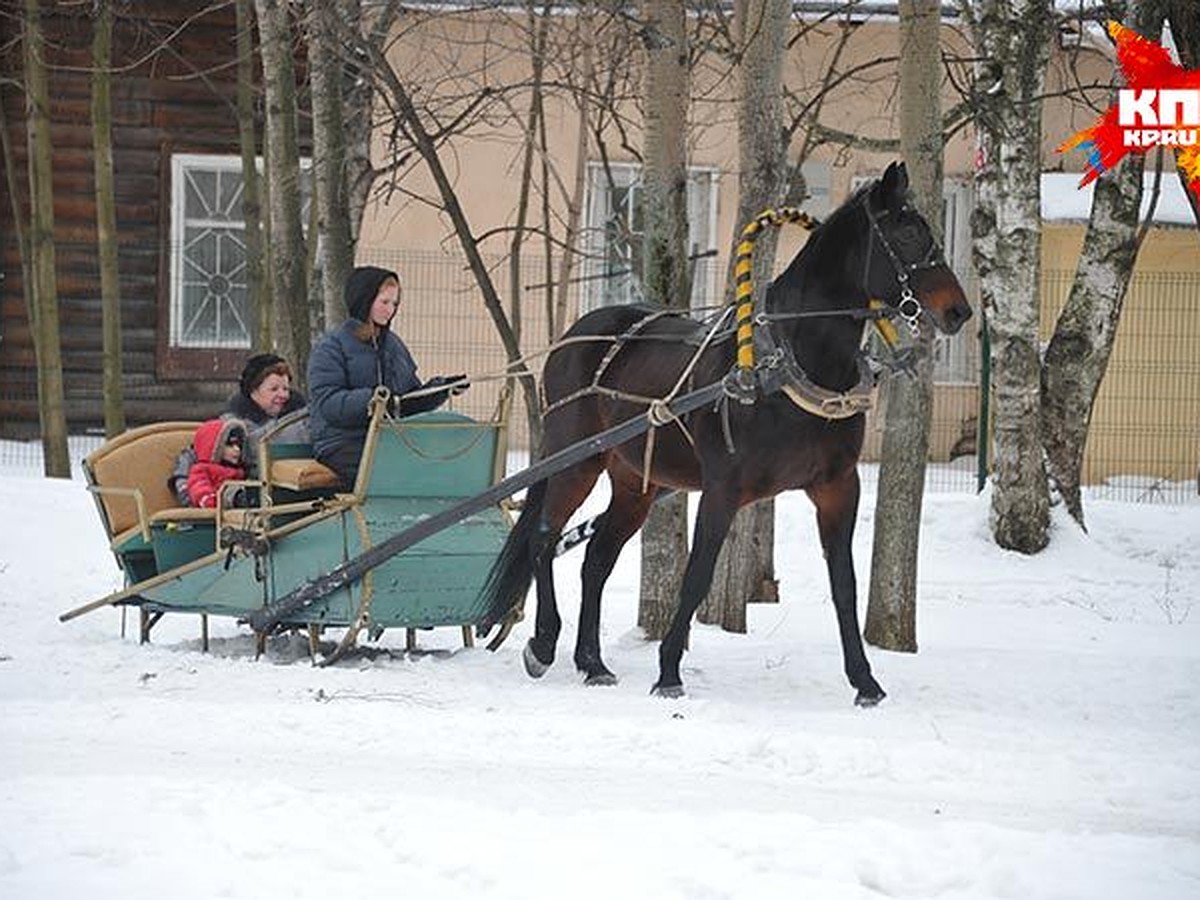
(908, 307)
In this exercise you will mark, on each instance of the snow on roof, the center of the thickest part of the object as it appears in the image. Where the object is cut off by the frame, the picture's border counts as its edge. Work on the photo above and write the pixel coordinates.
(1064, 201)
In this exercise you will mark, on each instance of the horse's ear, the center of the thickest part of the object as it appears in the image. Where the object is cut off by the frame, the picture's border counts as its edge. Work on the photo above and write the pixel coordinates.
(895, 185)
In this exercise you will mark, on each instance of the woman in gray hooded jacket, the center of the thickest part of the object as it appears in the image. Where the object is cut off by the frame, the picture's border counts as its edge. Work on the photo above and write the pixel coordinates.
(348, 363)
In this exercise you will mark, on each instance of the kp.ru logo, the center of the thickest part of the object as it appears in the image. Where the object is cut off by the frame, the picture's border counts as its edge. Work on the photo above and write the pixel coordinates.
(1144, 113)
(1160, 108)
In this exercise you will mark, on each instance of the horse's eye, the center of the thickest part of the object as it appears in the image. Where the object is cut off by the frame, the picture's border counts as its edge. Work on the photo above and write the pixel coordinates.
(909, 235)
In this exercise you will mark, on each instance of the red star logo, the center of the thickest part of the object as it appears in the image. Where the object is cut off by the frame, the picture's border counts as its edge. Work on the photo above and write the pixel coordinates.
(1145, 66)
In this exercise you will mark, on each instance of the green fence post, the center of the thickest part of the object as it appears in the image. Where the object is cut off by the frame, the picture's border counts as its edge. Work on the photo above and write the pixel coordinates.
(985, 391)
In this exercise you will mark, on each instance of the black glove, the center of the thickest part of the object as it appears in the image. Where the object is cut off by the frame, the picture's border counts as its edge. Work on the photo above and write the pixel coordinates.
(413, 405)
(459, 383)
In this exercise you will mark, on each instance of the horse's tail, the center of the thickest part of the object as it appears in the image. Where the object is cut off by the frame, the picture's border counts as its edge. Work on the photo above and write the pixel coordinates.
(511, 573)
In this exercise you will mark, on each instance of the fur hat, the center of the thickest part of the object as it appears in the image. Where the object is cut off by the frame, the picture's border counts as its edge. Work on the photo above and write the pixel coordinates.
(361, 288)
(257, 369)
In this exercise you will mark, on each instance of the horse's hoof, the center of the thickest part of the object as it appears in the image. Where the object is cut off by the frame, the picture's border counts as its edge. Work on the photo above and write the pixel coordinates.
(866, 700)
(534, 666)
(669, 691)
(601, 679)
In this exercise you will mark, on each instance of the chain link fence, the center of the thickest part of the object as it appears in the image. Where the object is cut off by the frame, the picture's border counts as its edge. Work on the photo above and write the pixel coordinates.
(1144, 442)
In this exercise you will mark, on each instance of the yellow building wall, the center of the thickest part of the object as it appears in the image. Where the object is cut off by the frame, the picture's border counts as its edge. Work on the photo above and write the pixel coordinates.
(1146, 420)
(443, 318)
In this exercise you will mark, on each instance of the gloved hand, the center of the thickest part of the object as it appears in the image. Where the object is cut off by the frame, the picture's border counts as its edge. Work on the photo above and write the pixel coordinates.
(459, 382)
(413, 405)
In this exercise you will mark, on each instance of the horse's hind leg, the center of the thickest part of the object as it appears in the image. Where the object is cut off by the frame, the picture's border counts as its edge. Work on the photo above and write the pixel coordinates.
(625, 514)
(564, 493)
(837, 507)
(713, 518)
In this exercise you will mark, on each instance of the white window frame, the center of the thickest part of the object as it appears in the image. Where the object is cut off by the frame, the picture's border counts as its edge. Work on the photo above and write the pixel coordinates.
(232, 225)
(956, 357)
(182, 167)
(600, 289)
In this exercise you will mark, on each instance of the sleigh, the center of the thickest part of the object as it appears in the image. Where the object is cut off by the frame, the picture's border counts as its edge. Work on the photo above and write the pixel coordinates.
(236, 562)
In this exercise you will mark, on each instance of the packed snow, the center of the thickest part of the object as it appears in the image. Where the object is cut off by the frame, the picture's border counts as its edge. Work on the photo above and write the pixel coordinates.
(1043, 743)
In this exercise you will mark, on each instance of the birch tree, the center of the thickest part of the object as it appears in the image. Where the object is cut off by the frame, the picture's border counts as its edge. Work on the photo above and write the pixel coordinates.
(43, 265)
(1078, 353)
(1013, 39)
(1184, 17)
(665, 273)
(892, 598)
(106, 219)
(745, 568)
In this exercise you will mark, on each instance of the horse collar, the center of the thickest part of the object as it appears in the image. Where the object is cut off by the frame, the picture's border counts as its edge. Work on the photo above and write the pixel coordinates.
(779, 370)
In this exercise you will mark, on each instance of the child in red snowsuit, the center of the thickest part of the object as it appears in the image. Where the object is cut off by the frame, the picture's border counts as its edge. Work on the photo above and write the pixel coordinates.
(218, 444)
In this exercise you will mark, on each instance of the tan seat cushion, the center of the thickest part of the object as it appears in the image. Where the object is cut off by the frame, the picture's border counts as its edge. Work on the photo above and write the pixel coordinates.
(140, 459)
(302, 475)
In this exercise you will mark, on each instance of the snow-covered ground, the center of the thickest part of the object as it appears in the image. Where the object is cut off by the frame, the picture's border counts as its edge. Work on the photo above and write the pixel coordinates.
(1044, 742)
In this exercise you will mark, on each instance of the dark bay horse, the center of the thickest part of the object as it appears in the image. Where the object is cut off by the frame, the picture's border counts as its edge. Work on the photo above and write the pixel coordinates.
(875, 246)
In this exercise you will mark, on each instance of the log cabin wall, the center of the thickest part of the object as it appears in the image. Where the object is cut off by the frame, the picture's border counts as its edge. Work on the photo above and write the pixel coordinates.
(173, 91)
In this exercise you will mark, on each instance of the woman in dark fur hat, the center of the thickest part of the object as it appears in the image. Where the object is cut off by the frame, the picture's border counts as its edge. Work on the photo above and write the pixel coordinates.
(264, 396)
(348, 363)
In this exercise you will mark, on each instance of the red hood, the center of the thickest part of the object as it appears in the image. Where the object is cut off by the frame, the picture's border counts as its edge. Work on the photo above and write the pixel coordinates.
(213, 434)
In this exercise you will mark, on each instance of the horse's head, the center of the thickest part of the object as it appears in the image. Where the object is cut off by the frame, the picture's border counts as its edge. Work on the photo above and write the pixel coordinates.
(904, 265)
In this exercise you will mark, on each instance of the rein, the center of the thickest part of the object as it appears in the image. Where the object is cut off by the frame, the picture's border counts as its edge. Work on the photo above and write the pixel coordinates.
(761, 359)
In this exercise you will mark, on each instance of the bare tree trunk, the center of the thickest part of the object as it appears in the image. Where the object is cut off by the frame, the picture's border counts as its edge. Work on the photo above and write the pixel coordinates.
(106, 220)
(48, 348)
(258, 297)
(556, 315)
(745, 569)
(1077, 356)
(665, 275)
(289, 288)
(371, 29)
(1013, 38)
(426, 147)
(1184, 16)
(892, 599)
(334, 245)
(10, 179)
(27, 279)
(537, 25)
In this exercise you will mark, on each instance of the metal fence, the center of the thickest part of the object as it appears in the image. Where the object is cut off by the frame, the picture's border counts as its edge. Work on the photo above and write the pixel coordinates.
(1145, 435)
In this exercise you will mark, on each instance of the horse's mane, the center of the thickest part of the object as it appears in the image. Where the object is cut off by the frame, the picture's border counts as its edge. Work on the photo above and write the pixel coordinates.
(839, 215)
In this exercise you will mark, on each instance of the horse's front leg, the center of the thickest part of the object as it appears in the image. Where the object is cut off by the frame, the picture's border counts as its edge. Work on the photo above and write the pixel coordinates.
(713, 518)
(837, 508)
